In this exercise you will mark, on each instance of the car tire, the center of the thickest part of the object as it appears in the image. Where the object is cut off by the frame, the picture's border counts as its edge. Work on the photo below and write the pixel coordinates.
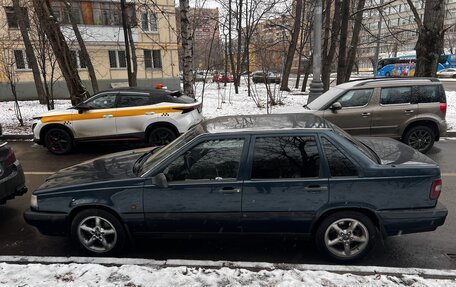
(335, 236)
(98, 232)
(159, 136)
(420, 138)
(454, 76)
(58, 141)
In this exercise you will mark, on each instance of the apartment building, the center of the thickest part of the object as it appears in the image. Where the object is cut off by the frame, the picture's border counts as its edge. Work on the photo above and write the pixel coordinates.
(99, 21)
(398, 30)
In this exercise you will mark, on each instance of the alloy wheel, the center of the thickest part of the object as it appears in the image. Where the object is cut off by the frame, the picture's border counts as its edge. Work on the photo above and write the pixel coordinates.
(346, 237)
(161, 136)
(420, 140)
(97, 234)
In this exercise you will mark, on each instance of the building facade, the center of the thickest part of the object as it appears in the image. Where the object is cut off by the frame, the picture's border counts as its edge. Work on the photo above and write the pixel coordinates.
(398, 30)
(99, 21)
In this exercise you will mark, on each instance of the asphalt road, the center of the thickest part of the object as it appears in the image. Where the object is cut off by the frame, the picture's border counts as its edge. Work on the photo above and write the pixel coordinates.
(425, 250)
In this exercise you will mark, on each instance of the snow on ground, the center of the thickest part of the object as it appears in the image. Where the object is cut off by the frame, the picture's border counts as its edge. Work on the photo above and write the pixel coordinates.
(133, 275)
(217, 101)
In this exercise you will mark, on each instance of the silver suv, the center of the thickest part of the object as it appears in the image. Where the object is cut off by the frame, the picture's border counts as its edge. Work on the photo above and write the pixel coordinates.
(409, 109)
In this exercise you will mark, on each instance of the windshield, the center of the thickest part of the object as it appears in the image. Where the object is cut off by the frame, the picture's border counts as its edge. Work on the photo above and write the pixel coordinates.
(161, 154)
(324, 99)
(359, 145)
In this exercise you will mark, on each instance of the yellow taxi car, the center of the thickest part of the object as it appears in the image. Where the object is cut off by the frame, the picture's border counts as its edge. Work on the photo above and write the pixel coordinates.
(156, 116)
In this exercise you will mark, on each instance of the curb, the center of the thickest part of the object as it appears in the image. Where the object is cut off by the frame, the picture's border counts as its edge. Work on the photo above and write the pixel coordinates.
(16, 137)
(253, 266)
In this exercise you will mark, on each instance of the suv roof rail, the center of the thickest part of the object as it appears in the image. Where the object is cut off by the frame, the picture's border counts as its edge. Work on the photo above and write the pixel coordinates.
(369, 80)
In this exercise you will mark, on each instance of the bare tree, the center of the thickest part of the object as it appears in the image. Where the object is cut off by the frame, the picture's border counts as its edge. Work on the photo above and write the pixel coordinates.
(341, 60)
(429, 45)
(358, 18)
(82, 46)
(8, 69)
(60, 47)
(22, 19)
(292, 47)
(187, 45)
(330, 40)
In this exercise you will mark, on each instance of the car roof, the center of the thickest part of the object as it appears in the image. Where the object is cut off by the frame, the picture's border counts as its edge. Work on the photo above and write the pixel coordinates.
(142, 90)
(388, 82)
(273, 122)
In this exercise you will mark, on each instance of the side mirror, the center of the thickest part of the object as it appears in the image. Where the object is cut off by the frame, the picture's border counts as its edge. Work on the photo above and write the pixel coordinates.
(160, 180)
(82, 107)
(336, 106)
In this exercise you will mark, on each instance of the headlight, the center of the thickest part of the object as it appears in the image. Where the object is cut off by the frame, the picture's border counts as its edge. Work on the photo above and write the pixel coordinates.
(37, 118)
(34, 201)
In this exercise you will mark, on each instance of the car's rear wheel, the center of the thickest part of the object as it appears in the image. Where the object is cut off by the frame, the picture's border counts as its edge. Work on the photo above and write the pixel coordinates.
(161, 136)
(58, 141)
(346, 236)
(98, 232)
(420, 138)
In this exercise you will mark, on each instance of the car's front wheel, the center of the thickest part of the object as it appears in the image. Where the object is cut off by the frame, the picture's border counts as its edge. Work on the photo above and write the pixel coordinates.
(98, 232)
(161, 136)
(58, 141)
(346, 236)
(420, 138)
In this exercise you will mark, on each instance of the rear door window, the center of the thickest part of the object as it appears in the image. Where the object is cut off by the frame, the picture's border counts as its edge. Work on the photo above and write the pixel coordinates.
(127, 100)
(339, 164)
(395, 96)
(285, 157)
(429, 94)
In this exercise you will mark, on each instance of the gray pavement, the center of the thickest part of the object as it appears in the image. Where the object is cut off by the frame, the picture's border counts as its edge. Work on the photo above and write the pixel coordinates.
(424, 250)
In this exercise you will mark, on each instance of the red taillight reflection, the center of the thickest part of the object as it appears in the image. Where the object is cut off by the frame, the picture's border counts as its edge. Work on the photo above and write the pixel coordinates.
(11, 158)
(443, 107)
(436, 189)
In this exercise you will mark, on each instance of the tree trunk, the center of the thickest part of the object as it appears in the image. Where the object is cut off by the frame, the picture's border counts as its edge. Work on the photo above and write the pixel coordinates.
(429, 46)
(341, 62)
(123, 8)
(82, 46)
(134, 58)
(328, 59)
(78, 92)
(354, 41)
(306, 74)
(302, 42)
(230, 38)
(29, 52)
(187, 45)
(237, 76)
(292, 47)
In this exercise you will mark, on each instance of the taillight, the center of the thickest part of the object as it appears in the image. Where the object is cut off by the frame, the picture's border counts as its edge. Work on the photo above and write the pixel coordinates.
(436, 189)
(189, 109)
(10, 158)
(443, 108)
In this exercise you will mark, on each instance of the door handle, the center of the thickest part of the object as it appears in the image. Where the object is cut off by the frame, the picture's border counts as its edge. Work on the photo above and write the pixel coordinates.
(150, 113)
(229, 190)
(107, 116)
(315, 188)
(409, 111)
(366, 114)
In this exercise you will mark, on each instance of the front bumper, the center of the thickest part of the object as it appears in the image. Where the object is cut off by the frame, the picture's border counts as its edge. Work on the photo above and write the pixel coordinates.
(397, 222)
(48, 223)
(13, 185)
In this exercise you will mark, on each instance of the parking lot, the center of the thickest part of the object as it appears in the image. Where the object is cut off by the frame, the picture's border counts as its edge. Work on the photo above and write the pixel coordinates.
(427, 250)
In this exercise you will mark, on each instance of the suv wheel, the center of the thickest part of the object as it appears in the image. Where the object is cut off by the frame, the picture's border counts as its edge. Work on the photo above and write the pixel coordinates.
(98, 232)
(161, 136)
(58, 141)
(346, 236)
(420, 138)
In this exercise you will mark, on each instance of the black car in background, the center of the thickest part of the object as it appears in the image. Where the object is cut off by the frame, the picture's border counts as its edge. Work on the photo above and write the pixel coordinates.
(265, 77)
(12, 179)
(294, 174)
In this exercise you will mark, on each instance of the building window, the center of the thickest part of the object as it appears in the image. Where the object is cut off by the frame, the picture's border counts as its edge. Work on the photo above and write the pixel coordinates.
(152, 59)
(78, 60)
(117, 59)
(149, 22)
(103, 13)
(21, 60)
(12, 19)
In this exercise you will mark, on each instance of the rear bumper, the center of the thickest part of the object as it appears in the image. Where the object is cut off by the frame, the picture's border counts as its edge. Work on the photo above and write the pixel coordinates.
(13, 185)
(48, 223)
(397, 222)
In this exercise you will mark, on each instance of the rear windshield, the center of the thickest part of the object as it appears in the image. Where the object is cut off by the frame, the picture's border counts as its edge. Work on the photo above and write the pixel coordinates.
(179, 98)
(359, 145)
